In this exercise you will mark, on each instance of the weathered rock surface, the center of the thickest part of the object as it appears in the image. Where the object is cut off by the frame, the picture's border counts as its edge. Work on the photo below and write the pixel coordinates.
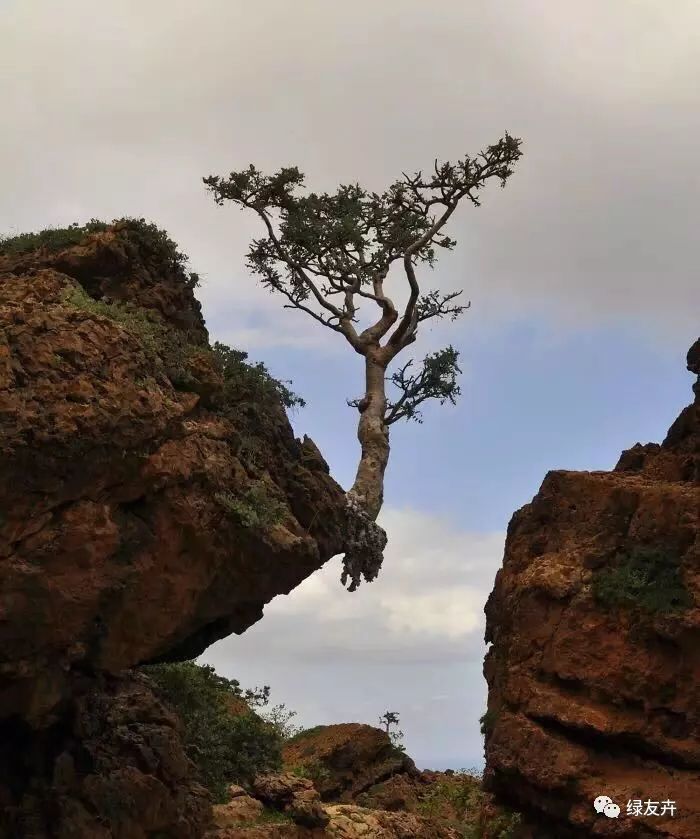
(587, 699)
(114, 549)
(126, 464)
(346, 759)
(297, 797)
(347, 821)
(415, 805)
(113, 765)
(240, 809)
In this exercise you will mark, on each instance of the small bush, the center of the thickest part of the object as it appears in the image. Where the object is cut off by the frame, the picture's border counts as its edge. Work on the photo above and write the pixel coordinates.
(647, 578)
(52, 238)
(226, 747)
(255, 508)
(161, 342)
(280, 718)
(457, 801)
(487, 721)
(250, 382)
(148, 238)
(312, 770)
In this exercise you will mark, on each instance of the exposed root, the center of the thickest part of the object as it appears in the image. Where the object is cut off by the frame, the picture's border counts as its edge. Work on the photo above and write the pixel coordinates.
(364, 546)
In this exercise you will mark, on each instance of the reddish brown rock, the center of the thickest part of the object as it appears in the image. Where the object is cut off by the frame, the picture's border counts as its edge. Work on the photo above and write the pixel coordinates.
(585, 698)
(347, 759)
(125, 462)
(111, 765)
(290, 794)
(241, 809)
(116, 544)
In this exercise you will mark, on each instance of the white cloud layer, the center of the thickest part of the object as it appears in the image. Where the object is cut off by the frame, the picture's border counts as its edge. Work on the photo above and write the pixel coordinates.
(412, 640)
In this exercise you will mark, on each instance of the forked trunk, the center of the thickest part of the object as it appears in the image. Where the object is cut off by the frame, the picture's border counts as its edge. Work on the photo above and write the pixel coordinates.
(373, 434)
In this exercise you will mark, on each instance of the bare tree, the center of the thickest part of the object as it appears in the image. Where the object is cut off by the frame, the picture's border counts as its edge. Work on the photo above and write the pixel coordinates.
(327, 253)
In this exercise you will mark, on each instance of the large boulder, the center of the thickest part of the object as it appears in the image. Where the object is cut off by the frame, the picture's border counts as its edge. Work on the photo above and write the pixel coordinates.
(128, 481)
(594, 668)
(153, 499)
(290, 794)
(347, 759)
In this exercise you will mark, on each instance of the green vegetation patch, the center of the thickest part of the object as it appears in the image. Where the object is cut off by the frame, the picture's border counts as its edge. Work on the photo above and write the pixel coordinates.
(255, 508)
(487, 721)
(646, 578)
(51, 238)
(161, 342)
(312, 770)
(147, 237)
(227, 748)
(244, 381)
(306, 732)
(457, 800)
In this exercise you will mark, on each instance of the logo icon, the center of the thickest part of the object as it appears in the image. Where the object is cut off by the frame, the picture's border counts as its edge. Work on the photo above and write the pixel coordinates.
(604, 805)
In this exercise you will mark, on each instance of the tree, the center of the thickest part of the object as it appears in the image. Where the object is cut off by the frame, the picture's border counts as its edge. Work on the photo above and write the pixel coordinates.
(326, 253)
(280, 718)
(388, 719)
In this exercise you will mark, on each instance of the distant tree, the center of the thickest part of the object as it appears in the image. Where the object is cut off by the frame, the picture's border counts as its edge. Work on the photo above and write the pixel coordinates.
(387, 720)
(326, 253)
(280, 718)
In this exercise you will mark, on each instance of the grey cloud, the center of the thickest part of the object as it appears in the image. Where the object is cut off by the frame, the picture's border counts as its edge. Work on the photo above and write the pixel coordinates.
(124, 112)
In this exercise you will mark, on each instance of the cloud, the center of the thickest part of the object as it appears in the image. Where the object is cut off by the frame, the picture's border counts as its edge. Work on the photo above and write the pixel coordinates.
(427, 604)
(596, 226)
(411, 641)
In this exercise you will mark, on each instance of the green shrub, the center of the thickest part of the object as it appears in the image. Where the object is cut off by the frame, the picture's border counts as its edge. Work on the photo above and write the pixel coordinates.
(227, 747)
(250, 382)
(160, 341)
(457, 801)
(255, 508)
(51, 238)
(150, 240)
(646, 578)
(280, 718)
(155, 243)
(487, 722)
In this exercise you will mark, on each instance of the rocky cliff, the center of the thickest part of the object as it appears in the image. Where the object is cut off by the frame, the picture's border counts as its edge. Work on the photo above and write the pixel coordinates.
(594, 668)
(153, 499)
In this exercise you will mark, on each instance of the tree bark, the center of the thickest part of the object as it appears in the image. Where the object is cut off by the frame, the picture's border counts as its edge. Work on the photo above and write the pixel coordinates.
(373, 435)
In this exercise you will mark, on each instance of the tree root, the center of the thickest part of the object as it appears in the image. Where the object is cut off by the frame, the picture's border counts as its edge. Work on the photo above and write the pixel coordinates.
(364, 546)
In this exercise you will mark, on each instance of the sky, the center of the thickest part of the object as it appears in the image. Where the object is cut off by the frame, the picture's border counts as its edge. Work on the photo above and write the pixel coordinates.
(581, 272)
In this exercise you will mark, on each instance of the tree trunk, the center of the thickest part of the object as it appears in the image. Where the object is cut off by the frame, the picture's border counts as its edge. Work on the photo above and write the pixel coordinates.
(373, 434)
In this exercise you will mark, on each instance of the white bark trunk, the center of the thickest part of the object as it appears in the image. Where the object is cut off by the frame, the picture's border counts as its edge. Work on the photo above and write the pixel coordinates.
(373, 434)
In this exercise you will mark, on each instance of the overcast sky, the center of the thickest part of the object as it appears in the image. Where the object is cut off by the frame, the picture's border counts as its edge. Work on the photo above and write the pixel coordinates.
(582, 272)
